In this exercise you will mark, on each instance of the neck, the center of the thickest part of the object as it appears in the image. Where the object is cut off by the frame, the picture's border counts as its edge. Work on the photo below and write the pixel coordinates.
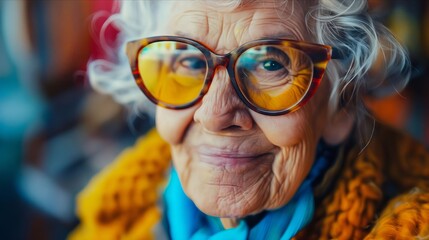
(228, 223)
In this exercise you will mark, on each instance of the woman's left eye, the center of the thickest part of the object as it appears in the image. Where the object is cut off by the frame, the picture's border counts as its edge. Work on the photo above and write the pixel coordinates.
(272, 65)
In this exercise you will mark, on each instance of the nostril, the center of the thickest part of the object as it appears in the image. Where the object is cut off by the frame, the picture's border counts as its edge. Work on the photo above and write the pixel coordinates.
(233, 127)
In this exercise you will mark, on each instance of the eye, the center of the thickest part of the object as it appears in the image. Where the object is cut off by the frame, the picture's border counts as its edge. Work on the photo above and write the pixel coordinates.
(272, 65)
(193, 63)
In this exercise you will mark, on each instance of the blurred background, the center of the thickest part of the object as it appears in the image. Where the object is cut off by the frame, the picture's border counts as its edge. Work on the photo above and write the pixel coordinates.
(56, 132)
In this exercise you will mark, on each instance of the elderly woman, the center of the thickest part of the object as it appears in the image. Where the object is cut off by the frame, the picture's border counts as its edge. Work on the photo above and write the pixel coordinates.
(263, 144)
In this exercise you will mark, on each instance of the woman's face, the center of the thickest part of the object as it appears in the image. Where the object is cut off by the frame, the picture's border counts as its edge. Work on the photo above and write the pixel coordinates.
(232, 161)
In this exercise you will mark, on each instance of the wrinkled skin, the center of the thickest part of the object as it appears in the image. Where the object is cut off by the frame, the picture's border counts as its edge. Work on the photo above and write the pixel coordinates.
(232, 161)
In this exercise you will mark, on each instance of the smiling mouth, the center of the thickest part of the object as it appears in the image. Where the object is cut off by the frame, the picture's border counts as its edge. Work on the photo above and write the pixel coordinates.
(218, 157)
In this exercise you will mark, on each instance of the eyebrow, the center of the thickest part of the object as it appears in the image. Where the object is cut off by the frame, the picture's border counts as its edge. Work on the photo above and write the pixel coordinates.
(282, 36)
(276, 35)
(336, 53)
(186, 35)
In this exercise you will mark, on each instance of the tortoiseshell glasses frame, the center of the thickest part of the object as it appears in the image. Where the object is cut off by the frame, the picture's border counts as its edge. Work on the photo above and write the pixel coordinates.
(317, 53)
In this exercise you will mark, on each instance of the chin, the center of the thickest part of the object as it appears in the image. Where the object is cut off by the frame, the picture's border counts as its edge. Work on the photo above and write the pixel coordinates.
(225, 202)
(225, 210)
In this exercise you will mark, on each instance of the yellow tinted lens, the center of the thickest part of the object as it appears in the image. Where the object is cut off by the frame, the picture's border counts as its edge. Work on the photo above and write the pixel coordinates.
(172, 72)
(274, 77)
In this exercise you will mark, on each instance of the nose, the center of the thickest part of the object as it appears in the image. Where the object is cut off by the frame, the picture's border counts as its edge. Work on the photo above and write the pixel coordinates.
(221, 109)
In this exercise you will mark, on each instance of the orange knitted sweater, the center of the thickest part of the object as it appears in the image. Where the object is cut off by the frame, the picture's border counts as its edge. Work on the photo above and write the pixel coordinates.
(379, 193)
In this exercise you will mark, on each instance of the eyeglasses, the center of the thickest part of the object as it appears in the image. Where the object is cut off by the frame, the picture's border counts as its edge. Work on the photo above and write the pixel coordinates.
(271, 77)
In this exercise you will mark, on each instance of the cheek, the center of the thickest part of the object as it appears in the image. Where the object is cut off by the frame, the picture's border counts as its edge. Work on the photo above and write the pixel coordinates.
(172, 124)
(307, 123)
(289, 130)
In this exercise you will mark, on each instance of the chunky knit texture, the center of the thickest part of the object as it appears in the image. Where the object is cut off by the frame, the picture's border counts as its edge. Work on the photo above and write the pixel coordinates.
(379, 193)
(392, 165)
(121, 201)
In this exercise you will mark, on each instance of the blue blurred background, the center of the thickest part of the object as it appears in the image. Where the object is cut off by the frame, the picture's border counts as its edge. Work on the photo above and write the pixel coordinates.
(56, 132)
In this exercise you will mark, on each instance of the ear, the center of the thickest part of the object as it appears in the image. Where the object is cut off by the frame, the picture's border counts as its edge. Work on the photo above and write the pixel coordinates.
(338, 127)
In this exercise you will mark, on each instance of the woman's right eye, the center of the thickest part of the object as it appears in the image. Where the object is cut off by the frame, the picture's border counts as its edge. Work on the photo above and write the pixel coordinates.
(193, 63)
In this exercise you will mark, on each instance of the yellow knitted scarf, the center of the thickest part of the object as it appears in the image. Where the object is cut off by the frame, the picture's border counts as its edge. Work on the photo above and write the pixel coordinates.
(121, 201)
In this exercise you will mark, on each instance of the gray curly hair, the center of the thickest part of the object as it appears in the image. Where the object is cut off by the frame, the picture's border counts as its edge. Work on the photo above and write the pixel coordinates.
(376, 64)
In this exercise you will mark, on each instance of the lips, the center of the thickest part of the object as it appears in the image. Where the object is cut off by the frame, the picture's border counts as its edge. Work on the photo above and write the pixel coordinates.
(222, 157)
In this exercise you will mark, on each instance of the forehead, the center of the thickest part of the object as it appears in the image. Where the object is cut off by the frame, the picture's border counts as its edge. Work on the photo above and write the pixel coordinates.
(225, 29)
